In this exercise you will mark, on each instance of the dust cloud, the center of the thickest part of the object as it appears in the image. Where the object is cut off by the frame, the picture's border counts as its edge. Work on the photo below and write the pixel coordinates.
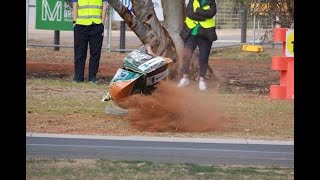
(172, 109)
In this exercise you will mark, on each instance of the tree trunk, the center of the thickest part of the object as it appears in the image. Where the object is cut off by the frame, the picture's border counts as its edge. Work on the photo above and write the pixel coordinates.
(145, 24)
(173, 21)
(166, 38)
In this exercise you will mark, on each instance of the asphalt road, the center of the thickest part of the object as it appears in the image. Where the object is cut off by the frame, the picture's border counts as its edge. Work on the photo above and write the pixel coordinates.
(157, 151)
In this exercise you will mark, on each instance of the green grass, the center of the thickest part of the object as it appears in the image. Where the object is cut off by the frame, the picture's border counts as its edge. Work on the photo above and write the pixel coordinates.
(107, 169)
(60, 97)
(57, 104)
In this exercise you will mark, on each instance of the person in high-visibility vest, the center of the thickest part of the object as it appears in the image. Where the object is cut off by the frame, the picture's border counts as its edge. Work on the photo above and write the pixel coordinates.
(89, 17)
(199, 29)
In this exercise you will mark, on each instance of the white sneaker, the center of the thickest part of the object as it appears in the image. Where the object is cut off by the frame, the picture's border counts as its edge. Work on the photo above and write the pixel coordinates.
(202, 85)
(183, 82)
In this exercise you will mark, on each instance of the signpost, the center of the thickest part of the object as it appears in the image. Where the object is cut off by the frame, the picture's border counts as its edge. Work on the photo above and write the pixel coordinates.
(157, 7)
(116, 17)
(290, 43)
(54, 15)
(128, 4)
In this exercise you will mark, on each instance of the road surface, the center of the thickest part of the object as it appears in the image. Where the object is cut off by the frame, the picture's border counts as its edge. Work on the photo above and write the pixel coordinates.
(161, 151)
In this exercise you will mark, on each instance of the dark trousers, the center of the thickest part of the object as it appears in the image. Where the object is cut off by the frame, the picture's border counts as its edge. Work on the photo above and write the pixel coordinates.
(84, 35)
(204, 48)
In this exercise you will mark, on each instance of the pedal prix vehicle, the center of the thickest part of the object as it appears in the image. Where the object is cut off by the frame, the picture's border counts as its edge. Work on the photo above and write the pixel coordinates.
(139, 74)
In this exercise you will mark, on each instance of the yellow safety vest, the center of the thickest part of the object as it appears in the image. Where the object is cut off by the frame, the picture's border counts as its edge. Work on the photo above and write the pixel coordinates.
(208, 23)
(89, 11)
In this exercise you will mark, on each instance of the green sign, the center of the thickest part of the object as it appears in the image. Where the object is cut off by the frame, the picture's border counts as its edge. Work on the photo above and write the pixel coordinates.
(54, 15)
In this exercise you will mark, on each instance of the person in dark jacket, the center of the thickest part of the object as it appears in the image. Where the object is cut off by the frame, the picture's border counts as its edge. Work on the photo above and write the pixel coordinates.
(198, 30)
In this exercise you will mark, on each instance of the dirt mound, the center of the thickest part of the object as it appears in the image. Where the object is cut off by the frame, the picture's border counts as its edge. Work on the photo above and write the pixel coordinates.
(60, 70)
(174, 109)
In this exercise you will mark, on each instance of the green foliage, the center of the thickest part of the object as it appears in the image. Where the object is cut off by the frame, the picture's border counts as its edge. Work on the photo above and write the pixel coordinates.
(280, 11)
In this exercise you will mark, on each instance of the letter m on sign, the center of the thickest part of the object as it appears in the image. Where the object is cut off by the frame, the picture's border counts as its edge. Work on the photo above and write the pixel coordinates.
(50, 14)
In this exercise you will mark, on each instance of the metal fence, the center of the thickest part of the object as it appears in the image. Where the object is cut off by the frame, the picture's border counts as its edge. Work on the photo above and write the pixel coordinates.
(228, 25)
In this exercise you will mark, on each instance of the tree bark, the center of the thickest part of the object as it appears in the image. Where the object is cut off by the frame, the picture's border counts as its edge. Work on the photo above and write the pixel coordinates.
(145, 24)
(173, 21)
(165, 38)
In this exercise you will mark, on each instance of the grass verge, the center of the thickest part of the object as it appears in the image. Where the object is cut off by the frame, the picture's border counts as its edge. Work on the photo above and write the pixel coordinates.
(61, 106)
(107, 169)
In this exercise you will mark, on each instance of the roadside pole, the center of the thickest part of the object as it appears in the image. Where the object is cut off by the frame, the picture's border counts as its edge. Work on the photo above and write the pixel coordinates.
(56, 40)
(122, 36)
(254, 28)
(243, 24)
(27, 21)
(109, 28)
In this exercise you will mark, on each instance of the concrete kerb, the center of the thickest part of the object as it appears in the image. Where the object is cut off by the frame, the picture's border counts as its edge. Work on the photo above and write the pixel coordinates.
(164, 139)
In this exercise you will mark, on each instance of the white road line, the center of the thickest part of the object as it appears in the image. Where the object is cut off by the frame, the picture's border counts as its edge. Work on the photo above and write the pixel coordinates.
(165, 139)
(158, 148)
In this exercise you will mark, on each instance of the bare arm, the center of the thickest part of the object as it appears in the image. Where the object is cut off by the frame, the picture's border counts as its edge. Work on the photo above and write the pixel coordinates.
(104, 11)
(149, 49)
(75, 11)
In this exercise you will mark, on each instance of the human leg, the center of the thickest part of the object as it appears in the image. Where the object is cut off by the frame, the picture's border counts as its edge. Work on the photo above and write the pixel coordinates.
(189, 47)
(204, 49)
(95, 43)
(80, 52)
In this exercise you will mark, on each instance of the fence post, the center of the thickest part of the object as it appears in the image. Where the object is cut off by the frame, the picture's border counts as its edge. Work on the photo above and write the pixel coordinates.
(122, 36)
(109, 28)
(56, 40)
(243, 21)
(27, 22)
(284, 64)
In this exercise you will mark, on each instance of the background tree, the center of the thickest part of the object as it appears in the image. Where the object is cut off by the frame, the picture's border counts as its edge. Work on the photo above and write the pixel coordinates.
(281, 12)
